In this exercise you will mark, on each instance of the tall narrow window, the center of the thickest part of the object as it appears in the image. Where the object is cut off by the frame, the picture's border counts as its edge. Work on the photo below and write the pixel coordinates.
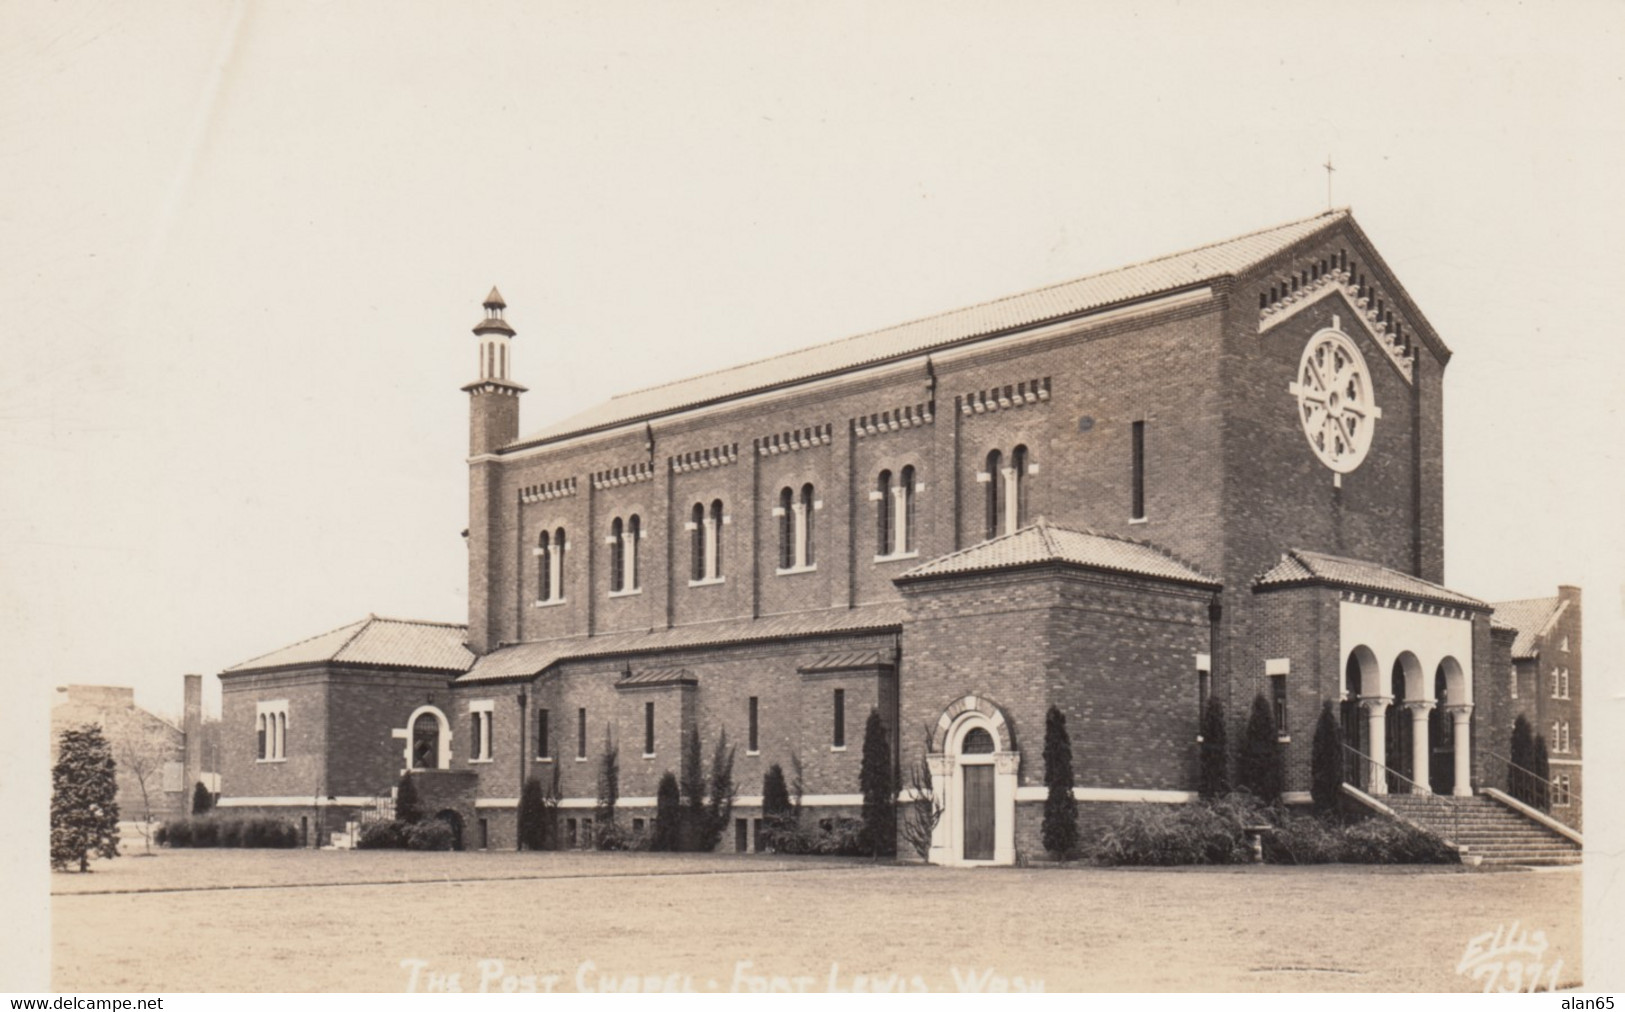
(1278, 696)
(805, 538)
(1557, 736)
(1016, 508)
(544, 566)
(581, 733)
(282, 736)
(713, 539)
(261, 725)
(1139, 471)
(885, 514)
(617, 556)
(787, 529)
(542, 751)
(476, 728)
(648, 728)
(555, 561)
(634, 532)
(838, 737)
(995, 494)
(697, 543)
(905, 511)
(754, 742)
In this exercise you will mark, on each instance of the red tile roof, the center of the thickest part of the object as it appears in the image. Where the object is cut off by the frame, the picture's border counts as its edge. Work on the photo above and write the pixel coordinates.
(379, 642)
(1299, 567)
(1530, 617)
(1043, 543)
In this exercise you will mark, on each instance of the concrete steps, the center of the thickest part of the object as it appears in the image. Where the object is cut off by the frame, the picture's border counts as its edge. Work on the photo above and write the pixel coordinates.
(1495, 832)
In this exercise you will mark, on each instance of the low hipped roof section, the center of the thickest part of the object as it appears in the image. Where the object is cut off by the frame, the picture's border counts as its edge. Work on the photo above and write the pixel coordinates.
(1299, 568)
(1162, 276)
(523, 661)
(1531, 617)
(375, 642)
(1043, 543)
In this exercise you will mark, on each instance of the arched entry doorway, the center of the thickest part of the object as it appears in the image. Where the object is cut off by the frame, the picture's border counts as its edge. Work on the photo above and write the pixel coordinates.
(1441, 740)
(974, 765)
(426, 740)
(1359, 678)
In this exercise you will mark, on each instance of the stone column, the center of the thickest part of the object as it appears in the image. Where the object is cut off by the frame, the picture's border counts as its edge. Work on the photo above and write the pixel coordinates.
(1419, 744)
(1460, 716)
(1376, 712)
(899, 527)
(1012, 508)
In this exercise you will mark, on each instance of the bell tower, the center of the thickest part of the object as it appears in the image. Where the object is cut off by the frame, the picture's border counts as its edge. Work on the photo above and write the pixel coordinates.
(493, 422)
(493, 409)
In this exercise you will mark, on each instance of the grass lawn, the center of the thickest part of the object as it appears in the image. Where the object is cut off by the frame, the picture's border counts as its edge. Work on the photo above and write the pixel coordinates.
(320, 921)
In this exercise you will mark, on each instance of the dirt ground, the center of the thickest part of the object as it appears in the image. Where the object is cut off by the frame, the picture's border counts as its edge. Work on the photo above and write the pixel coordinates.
(370, 921)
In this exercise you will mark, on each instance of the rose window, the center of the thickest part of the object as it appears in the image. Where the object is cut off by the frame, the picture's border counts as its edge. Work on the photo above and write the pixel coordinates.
(1335, 403)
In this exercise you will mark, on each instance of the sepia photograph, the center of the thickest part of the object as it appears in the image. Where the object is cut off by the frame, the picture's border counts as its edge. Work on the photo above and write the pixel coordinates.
(751, 497)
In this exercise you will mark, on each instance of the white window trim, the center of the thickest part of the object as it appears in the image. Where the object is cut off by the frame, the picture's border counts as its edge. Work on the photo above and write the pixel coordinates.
(837, 748)
(711, 582)
(750, 752)
(485, 709)
(1138, 520)
(898, 556)
(793, 570)
(276, 740)
(626, 593)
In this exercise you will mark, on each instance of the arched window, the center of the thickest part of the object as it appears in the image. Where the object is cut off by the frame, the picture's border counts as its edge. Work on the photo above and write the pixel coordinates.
(696, 539)
(787, 529)
(806, 532)
(634, 534)
(281, 735)
(1016, 509)
(977, 742)
(544, 566)
(617, 556)
(905, 514)
(556, 563)
(885, 515)
(995, 494)
(260, 754)
(714, 538)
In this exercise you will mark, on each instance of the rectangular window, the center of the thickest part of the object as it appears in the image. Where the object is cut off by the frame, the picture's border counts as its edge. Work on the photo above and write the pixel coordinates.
(479, 715)
(1278, 695)
(755, 743)
(570, 835)
(741, 836)
(637, 825)
(542, 751)
(838, 739)
(485, 834)
(477, 742)
(581, 733)
(1139, 470)
(648, 729)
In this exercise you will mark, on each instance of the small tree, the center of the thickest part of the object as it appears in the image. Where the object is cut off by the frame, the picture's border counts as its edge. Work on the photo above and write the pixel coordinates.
(550, 807)
(408, 808)
(1259, 768)
(1326, 762)
(776, 811)
(532, 812)
(798, 786)
(1542, 770)
(609, 787)
(1519, 782)
(924, 809)
(668, 814)
(1215, 757)
(719, 808)
(202, 799)
(692, 831)
(84, 805)
(879, 789)
(142, 746)
(1060, 827)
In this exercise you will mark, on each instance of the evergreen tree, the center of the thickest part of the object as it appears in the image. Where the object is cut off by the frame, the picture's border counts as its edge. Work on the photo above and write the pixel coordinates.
(879, 789)
(691, 833)
(609, 787)
(1519, 783)
(1326, 762)
(202, 800)
(1541, 795)
(84, 805)
(408, 808)
(1215, 757)
(533, 812)
(719, 809)
(776, 811)
(1259, 767)
(1060, 828)
(668, 814)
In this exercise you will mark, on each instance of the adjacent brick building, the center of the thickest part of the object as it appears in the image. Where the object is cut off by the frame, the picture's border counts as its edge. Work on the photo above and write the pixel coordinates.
(1217, 473)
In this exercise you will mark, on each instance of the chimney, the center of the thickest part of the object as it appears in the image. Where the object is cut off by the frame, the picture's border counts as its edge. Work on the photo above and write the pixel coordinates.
(192, 726)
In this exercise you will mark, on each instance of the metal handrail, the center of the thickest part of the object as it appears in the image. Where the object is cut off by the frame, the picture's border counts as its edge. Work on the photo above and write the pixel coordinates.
(1451, 802)
(1551, 788)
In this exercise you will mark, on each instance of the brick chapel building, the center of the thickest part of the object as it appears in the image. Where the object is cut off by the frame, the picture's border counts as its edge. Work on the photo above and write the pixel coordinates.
(1219, 472)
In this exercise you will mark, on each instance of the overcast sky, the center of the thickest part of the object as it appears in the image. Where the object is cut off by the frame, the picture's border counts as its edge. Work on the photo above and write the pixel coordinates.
(244, 245)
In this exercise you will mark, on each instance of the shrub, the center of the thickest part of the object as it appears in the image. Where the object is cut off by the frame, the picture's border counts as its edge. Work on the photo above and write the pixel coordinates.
(1381, 841)
(1542, 769)
(429, 834)
(1258, 769)
(407, 806)
(1304, 840)
(691, 823)
(838, 836)
(1060, 827)
(220, 831)
(178, 833)
(1172, 834)
(534, 815)
(1215, 760)
(610, 836)
(776, 810)
(1519, 783)
(719, 808)
(668, 814)
(879, 792)
(206, 833)
(1326, 762)
(609, 787)
(202, 800)
(386, 834)
(160, 836)
(230, 833)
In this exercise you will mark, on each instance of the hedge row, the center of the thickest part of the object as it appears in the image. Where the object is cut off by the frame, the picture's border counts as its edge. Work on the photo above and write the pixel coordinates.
(392, 834)
(227, 831)
(1215, 832)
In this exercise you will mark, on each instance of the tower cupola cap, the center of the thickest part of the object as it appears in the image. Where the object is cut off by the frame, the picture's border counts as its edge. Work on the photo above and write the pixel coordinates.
(493, 315)
(494, 300)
